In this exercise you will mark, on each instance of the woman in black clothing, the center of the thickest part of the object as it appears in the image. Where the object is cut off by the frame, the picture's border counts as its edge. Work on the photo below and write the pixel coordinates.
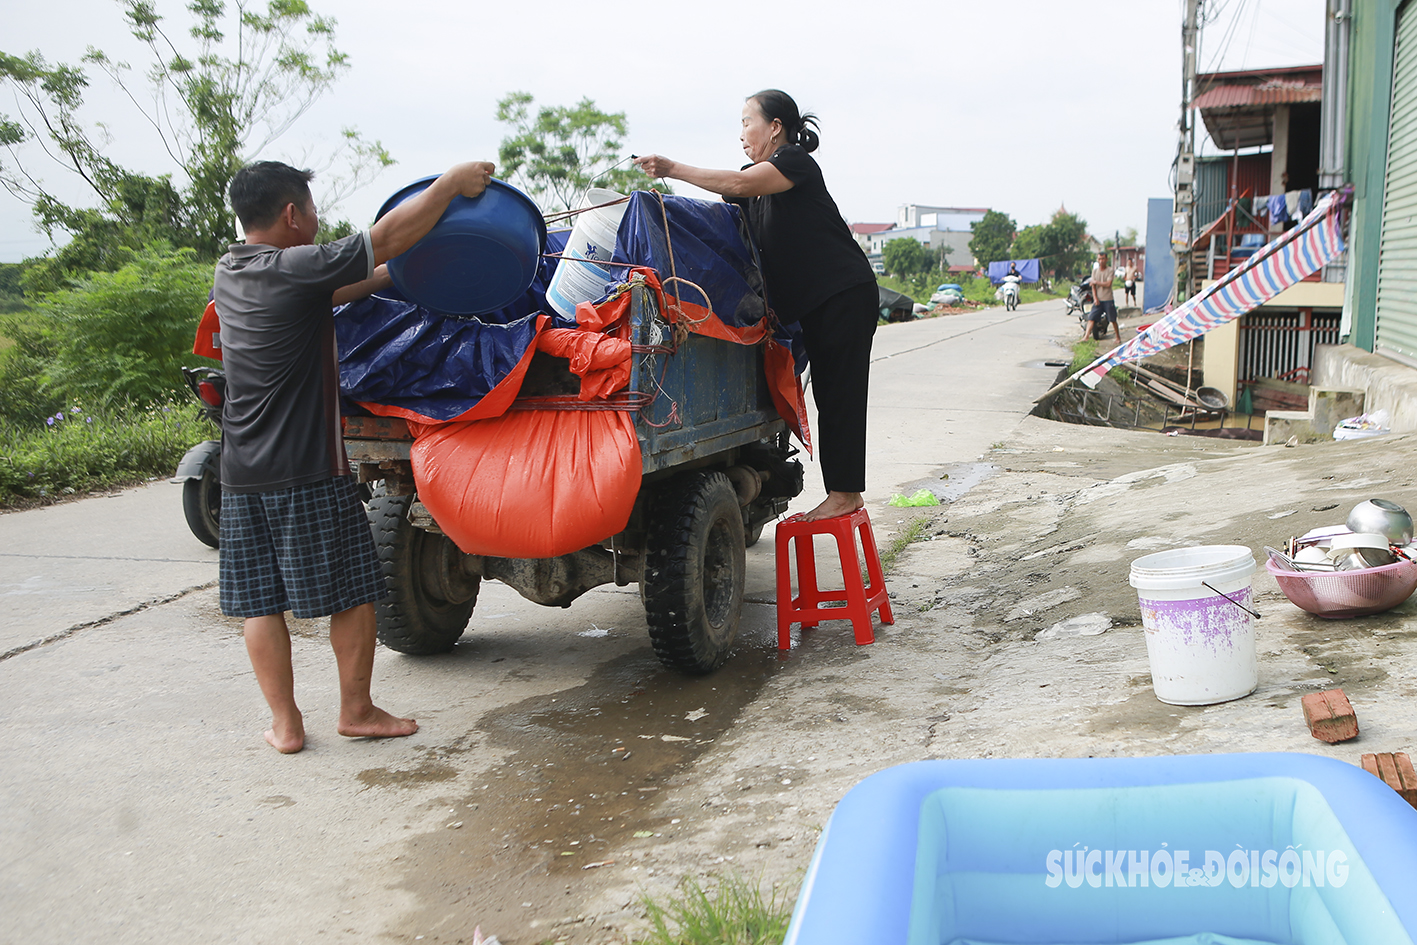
(814, 271)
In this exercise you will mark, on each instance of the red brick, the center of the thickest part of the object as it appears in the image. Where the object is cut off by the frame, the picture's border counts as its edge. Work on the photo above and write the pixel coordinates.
(1394, 769)
(1330, 716)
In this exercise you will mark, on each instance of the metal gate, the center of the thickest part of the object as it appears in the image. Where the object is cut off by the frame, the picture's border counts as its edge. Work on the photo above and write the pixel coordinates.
(1281, 344)
(1397, 248)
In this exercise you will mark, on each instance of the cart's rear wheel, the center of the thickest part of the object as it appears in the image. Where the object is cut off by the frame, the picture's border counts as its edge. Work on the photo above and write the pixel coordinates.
(694, 572)
(201, 506)
(430, 596)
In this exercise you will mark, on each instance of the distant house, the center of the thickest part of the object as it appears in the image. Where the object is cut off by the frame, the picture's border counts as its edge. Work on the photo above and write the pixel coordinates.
(950, 219)
(933, 226)
(864, 231)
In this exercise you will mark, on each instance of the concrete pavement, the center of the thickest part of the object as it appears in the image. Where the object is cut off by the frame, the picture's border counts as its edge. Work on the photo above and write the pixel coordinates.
(74, 563)
(142, 805)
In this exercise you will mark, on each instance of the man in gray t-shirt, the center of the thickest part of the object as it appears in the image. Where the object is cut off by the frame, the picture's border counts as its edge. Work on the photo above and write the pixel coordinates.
(293, 532)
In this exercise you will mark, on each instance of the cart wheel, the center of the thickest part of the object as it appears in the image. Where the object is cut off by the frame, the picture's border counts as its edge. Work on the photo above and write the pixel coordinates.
(201, 505)
(694, 572)
(430, 597)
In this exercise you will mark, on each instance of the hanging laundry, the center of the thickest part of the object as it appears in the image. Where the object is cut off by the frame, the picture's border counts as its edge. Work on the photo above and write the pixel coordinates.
(1306, 202)
(1278, 211)
(1291, 204)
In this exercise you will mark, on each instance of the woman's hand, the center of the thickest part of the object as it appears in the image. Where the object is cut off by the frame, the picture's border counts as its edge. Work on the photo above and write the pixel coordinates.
(656, 166)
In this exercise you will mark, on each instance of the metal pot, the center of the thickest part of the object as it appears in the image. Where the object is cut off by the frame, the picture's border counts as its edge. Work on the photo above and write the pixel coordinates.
(1386, 518)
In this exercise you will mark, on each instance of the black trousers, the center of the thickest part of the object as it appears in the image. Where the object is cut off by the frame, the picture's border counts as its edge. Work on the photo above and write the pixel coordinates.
(838, 336)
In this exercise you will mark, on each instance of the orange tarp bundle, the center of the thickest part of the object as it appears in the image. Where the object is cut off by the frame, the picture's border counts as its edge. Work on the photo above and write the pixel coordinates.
(530, 483)
(537, 483)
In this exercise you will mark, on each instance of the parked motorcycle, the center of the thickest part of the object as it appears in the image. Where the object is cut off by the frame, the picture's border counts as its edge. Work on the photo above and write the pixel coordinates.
(1080, 300)
(200, 469)
(1011, 287)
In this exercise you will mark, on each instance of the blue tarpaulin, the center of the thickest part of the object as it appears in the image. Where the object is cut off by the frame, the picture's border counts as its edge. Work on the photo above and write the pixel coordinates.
(1027, 268)
(398, 354)
(711, 250)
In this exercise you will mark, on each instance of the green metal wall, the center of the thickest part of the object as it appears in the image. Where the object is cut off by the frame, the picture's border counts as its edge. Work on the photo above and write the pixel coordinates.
(1369, 102)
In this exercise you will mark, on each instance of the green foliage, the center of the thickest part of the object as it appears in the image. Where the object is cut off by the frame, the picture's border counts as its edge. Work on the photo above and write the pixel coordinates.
(734, 914)
(905, 257)
(12, 293)
(211, 111)
(993, 236)
(113, 338)
(1058, 244)
(89, 450)
(559, 152)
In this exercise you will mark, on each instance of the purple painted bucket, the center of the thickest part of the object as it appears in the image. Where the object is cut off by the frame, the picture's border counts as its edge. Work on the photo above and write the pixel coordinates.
(1200, 640)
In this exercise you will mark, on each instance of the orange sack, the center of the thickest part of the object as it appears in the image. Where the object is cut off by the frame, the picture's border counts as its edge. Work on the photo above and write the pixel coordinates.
(530, 483)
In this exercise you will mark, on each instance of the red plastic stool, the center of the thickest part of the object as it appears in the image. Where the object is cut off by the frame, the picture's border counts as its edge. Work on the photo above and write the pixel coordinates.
(860, 601)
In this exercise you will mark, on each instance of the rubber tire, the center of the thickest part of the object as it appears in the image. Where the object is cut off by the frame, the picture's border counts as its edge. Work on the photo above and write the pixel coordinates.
(201, 505)
(695, 572)
(415, 617)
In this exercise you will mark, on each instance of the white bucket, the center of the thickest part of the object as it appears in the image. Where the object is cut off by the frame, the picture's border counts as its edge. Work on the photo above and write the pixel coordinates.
(1201, 646)
(593, 238)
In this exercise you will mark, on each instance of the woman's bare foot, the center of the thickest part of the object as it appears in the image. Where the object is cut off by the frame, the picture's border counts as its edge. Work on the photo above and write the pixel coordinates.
(287, 738)
(836, 503)
(375, 723)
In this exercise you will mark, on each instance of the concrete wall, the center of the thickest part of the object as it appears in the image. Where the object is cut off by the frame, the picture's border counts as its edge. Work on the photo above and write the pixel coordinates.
(1220, 359)
(1388, 385)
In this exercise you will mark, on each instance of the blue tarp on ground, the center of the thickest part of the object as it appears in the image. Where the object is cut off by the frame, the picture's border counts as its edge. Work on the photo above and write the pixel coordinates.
(1027, 268)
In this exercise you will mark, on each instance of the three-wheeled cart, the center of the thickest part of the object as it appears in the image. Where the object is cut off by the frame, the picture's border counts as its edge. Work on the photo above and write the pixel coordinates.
(716, 467)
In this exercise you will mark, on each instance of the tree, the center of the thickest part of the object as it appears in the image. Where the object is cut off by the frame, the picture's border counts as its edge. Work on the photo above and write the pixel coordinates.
(1059, 245)
(993, 236)
(905, 257)
(219, 98)
(115, 337)
(560, 152)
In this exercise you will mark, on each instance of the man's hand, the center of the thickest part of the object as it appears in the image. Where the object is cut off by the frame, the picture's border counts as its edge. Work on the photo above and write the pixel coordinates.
(473, 177)
(376, 283)
(406, 224)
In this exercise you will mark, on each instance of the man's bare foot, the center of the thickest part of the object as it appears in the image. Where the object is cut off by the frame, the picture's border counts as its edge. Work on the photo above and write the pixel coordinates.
(836, 503)
(287, 738)
(375, 723)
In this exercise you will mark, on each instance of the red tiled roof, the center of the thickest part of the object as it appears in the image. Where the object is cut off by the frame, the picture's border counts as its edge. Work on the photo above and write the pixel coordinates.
(1271, 93)
(866, 229)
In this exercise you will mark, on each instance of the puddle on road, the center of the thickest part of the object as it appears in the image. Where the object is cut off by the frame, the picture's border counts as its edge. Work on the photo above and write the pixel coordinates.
(588, 767)
(962, 478)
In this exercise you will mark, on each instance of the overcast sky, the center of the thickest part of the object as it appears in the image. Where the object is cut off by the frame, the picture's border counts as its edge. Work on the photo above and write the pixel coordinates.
(1018, 105)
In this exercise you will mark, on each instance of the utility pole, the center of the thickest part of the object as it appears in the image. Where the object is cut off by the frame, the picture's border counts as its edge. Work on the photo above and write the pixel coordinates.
(1186, 153)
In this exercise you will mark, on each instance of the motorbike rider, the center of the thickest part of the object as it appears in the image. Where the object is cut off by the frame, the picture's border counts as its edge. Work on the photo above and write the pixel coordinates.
(1012, 283)
(1104, 307)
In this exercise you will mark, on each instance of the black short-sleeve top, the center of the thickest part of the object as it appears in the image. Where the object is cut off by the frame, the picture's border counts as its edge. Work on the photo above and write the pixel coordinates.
(808, 252)
(280, 424)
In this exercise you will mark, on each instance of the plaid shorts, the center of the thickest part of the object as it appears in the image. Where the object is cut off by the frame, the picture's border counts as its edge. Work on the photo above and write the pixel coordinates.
(307, 549)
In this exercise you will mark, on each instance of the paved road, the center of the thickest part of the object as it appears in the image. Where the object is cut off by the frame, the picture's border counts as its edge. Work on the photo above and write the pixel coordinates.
(141, 805)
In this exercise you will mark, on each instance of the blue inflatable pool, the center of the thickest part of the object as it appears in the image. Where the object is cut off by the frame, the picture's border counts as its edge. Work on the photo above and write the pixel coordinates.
(1241, 849)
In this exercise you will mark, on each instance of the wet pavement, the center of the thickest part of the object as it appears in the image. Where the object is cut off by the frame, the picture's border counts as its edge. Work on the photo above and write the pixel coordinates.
(561, 773)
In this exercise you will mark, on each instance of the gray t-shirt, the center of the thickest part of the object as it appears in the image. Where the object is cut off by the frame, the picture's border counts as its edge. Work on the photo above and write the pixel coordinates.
(280, 424)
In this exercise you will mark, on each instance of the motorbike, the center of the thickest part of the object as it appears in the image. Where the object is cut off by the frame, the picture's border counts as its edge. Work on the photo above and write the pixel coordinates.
(1080, 300)
(200, 469)
(1011, 288)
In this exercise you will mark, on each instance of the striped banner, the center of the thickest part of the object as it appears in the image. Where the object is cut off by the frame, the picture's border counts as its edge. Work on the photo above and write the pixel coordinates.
(1299, 253)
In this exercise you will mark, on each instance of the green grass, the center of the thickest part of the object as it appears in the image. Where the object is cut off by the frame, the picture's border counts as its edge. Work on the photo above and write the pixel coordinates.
(733, 913)
(903, 539)
(920, 288)
(87, 451)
